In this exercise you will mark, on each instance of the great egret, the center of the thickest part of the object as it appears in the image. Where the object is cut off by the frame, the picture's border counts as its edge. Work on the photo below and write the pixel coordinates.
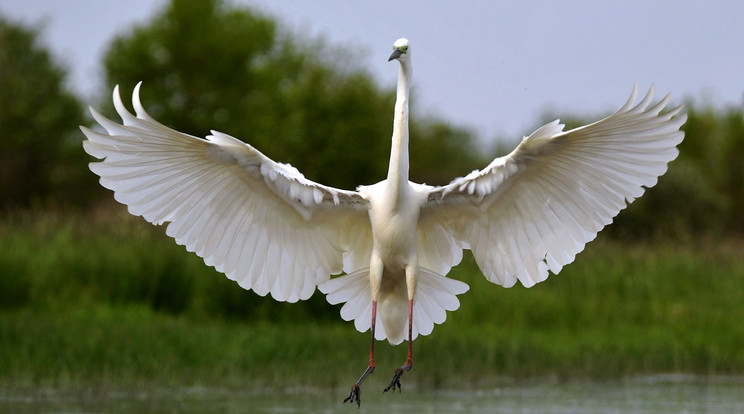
(266, 226)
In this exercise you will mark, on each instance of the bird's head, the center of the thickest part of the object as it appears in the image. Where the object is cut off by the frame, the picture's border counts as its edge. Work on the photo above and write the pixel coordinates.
(401, 50)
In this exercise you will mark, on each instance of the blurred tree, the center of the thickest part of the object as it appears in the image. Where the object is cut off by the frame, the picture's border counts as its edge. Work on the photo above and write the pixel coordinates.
(206, 65)
(40, 158)
(714, 145)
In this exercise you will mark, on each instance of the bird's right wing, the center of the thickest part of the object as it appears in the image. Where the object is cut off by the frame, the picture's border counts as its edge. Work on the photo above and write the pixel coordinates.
(535, 209)
(260, 222)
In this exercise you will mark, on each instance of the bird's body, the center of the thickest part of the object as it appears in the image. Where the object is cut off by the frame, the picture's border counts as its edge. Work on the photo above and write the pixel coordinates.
(273, 231)
(394, 218)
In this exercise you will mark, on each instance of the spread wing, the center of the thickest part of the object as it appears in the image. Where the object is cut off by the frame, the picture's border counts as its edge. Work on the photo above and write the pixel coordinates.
(260, 222)
(535, 209)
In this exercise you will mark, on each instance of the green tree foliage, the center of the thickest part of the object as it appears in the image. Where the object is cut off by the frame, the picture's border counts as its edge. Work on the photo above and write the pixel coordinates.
(39, 150)
(206, 65)
(715, 148)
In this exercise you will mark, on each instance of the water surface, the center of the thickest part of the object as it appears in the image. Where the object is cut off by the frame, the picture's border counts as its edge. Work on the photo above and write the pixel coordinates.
(653, 395)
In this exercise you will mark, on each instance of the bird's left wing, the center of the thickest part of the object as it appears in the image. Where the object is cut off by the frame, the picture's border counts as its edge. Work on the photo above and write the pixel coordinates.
(535, 209)
(260, 222)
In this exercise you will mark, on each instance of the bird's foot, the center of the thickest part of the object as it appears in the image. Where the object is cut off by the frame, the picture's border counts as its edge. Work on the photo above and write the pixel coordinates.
(354, 395)
(396, 378)
(356, 390)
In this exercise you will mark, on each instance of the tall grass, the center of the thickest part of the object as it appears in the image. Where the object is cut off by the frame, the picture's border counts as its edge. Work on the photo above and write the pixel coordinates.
(107, 299)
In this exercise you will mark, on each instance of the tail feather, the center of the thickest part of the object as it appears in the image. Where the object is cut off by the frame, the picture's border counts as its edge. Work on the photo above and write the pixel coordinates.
(435, 295)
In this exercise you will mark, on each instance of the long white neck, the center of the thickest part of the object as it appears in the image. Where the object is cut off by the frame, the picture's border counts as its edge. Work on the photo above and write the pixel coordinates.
(397, 178)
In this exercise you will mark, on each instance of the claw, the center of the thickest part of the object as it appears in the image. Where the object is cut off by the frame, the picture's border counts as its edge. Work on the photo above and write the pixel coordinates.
(396, 379)
(354, 395)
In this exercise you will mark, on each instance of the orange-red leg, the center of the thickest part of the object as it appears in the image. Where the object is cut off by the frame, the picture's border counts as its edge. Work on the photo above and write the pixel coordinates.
(356, 391)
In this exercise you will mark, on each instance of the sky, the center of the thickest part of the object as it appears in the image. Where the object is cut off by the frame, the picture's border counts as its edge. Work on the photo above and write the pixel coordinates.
(492, 66)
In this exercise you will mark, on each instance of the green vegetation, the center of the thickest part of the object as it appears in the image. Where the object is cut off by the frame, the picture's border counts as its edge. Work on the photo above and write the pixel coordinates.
(90, 296)
(38, 119)
(96, 300)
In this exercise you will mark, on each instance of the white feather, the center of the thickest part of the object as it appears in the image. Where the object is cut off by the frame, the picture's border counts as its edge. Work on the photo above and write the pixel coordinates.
(226, 201)
(273, 231)
(556, 190)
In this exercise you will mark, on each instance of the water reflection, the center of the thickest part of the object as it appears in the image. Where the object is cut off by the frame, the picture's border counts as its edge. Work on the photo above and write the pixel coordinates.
(658, 394)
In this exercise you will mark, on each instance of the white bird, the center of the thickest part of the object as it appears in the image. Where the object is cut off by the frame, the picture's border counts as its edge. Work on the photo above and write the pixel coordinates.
(266, 226)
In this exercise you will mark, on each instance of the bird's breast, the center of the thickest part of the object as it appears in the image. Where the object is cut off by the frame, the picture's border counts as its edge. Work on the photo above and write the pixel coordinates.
(394, 231)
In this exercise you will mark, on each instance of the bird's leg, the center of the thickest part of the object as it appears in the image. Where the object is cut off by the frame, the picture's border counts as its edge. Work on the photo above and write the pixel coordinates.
(409, 361)
(355, 394)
